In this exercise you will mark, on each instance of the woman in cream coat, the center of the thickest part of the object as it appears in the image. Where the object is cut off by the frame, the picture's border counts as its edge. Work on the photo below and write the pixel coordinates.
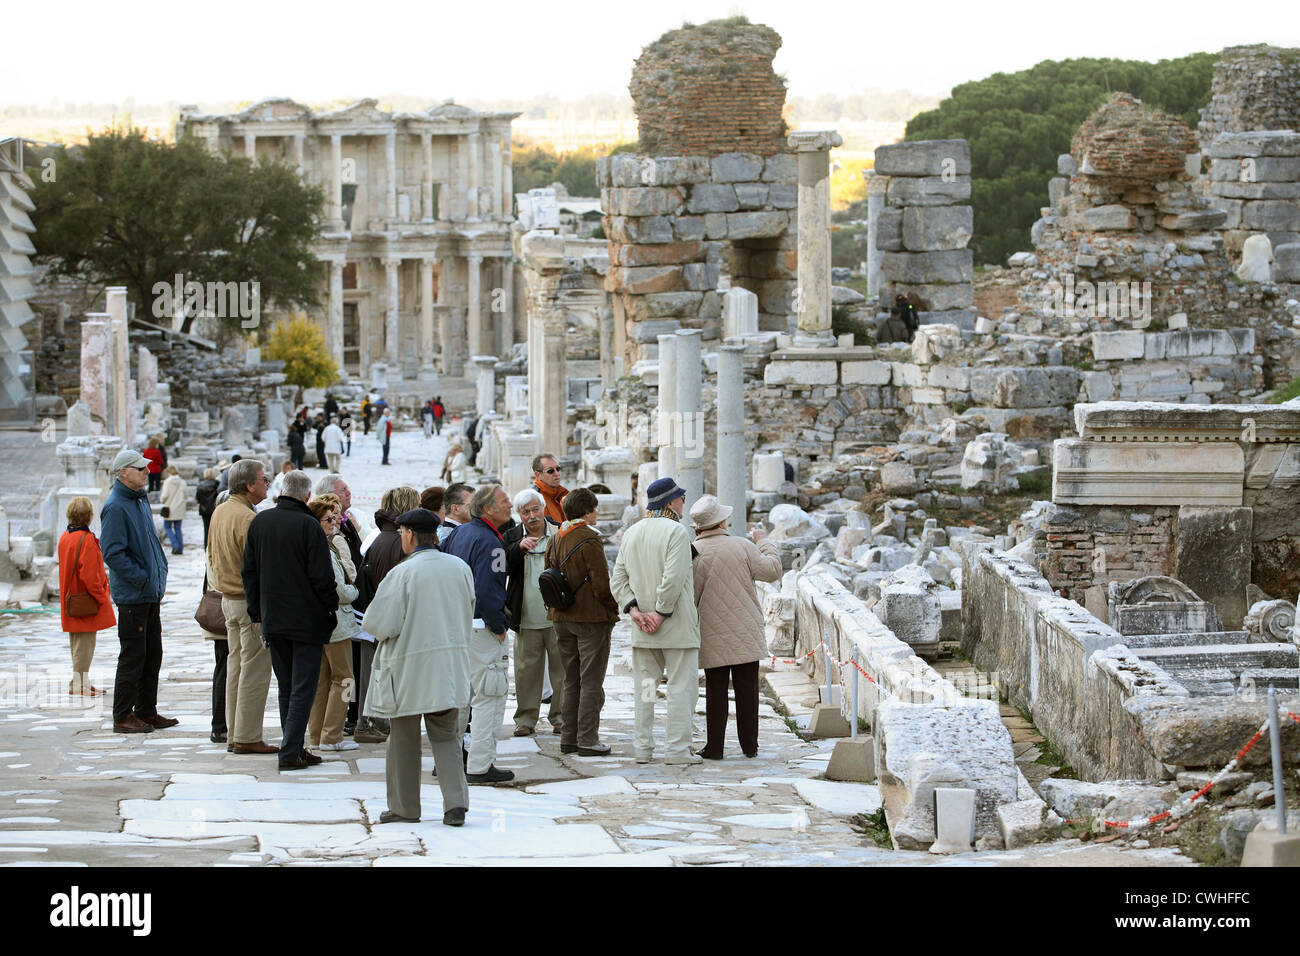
(174, 494)
(334, 688)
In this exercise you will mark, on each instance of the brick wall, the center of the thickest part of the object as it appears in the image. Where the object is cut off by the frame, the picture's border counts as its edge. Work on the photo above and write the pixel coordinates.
(1254, 87)
(1085, 547)
(710, 89)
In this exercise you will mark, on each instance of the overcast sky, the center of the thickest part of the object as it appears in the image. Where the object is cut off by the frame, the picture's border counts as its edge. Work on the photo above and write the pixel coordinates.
(156, 51)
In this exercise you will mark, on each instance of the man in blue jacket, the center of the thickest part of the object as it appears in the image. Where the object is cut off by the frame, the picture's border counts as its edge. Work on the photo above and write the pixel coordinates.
(478, 543)
(137, 578)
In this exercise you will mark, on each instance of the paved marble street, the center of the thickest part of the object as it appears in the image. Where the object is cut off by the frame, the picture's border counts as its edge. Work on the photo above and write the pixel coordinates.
(73, 792)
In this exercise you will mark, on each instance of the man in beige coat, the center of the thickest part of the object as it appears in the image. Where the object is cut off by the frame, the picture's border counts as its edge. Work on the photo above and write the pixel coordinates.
(652, 581)
(248, 664)
(421, 621)
(731, 621)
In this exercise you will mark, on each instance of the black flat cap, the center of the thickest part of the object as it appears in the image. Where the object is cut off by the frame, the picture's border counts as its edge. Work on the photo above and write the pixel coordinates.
(418, 519)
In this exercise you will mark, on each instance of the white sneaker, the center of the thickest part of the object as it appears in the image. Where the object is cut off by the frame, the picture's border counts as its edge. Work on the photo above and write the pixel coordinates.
(342, 745)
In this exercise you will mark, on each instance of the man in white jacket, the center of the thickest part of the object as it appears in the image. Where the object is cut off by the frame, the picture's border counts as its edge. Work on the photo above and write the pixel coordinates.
(333, 438)
(653, 582)
(421, 620)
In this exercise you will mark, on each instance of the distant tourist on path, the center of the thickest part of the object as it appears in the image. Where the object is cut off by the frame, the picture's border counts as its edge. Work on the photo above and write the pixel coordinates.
(289, 582)
(385, 430)
(479, 545)
(297, 451)
(319, 425)
(426, 418)
(206, 496)
(248, 664)
(421, 619)
(652, 581)
(333, 439)
(81, 573)
(536, 649)
(153, 451)
(731, 620)
(137, 577)
(546, 479)
(456, 466)
(174, 493)
(330, 707)
(439, 412)
(345, 423)
(583, 628)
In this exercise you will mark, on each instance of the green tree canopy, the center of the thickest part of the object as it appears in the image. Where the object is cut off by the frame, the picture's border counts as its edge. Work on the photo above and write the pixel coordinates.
(136, 212)
(1018, 123)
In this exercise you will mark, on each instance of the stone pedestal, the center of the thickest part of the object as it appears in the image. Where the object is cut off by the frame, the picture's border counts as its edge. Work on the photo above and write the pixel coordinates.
(690, 444)
(485, 380)
(769, 471)
(731, 433)
(853, 760)
(1267, 847)
(814, 297)
(739, 313)
(379, 376)
(146, 375)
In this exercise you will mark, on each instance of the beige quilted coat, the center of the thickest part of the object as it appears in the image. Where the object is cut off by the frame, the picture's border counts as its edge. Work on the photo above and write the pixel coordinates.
(731, 621)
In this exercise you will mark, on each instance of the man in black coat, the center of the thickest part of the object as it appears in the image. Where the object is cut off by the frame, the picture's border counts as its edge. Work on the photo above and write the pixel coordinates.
(289, 585)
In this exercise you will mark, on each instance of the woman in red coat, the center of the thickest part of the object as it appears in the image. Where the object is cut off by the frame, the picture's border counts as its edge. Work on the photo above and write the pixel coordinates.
(83, 574)
(157, 458)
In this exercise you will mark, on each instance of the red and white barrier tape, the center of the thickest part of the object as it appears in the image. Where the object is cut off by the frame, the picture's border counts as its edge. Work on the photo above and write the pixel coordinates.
(821, 645)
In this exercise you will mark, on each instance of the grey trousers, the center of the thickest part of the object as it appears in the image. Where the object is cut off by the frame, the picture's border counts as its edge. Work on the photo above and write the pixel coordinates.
(402, 766)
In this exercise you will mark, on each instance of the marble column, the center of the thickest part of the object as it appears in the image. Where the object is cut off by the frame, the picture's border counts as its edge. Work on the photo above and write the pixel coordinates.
(96, 367)
(393, 333)
(336, 313)
(446, 195)
(485, 380)
(506, 317)
(668, 405)
(474, 317)
(475, 174)
(875, 205)
(299, 142)
(250, 146)
(606, 321)
(732, 465)
(534, 340)
(553, 429)
(814, 298)
(446, 347)
(690, 439)
(212, 139)
(426, 312)
(390, 176)
(498, 177)
(335, 223)
(508, 179)
(426, 178)
(119, 393)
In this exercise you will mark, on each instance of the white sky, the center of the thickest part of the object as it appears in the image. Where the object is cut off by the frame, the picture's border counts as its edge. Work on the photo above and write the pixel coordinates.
(156, 51)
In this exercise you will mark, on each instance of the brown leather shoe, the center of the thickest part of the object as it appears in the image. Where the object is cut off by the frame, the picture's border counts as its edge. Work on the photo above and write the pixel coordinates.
(132, 724)
(159, 721)
(260, 747)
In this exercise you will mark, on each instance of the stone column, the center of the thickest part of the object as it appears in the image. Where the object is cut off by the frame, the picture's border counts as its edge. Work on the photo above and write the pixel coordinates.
(250, 146)
(96, 367)
(485, 379)
(875, 204)
(212, 139)
(506, 317)
(426, 179)
(446, 196)
(732, 466)
(446, 348)
(668, 405)
(146, 374)
(426, 312)
(119, 392)
(534, 339)
(474, 316)
(555, 386)
(606, 320)
(335, 223)
(498, 176)
(475, 173)
(335, 336)
(690, 439)
(393, 335)
(299, 142)
(814, 299)
(390, 175)
(508, 179)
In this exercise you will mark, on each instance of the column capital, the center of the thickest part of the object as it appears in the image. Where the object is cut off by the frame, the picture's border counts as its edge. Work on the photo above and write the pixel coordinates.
(808, 140)
(475, 257)
(392, 261)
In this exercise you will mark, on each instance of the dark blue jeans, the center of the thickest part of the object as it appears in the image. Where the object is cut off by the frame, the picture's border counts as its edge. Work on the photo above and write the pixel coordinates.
(221, 651)
(297, 669)
(173, 529)
(385, 461)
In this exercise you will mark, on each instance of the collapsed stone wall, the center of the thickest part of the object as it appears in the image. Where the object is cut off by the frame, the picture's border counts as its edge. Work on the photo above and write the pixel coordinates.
(709, 89)
(1254, 178)
(1254, 88)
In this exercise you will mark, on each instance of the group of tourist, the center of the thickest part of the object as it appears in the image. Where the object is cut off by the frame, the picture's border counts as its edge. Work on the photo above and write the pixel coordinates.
(416, 625)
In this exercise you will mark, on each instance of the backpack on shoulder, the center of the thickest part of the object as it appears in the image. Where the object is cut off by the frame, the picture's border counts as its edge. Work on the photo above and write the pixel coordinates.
(557, 593)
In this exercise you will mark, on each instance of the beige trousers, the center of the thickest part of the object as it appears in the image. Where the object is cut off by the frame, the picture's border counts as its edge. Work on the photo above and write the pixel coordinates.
(248, 674)
(402, 763)
(334, 691)
(648, 666)
(83, 650)
(536, 651)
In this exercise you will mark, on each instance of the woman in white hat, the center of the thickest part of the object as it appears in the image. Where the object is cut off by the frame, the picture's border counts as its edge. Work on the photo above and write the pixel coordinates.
(731, 621)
